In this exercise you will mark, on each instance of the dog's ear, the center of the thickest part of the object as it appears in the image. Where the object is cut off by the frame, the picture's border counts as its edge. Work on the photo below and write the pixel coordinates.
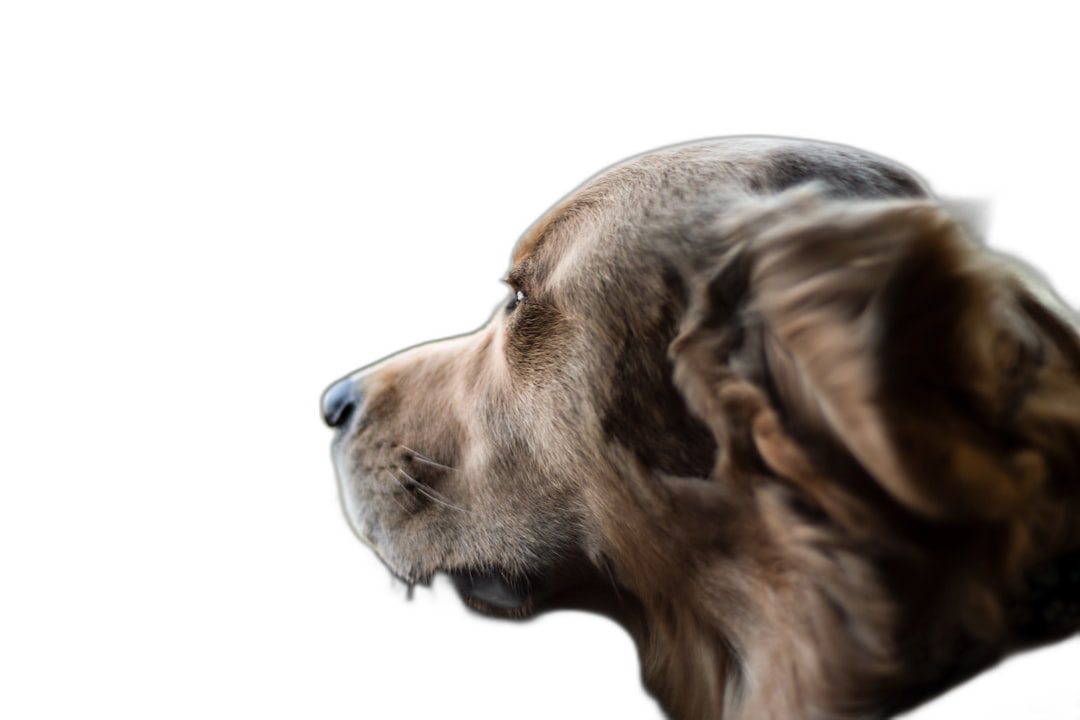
(883, 330)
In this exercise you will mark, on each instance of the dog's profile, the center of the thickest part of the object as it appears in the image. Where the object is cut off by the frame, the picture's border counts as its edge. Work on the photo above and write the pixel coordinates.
(766, 403)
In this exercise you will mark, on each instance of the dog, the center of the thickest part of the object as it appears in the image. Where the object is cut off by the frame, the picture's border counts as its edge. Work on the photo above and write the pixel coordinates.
(769, 405)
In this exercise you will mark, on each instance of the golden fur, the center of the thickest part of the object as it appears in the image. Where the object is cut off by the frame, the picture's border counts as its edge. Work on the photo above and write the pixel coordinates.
(767, 404)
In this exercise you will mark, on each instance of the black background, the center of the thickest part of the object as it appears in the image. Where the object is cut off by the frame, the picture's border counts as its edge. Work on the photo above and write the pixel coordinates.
(337, 216)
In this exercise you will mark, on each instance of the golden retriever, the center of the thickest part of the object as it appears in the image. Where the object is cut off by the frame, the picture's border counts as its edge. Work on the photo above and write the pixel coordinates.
(767, 404)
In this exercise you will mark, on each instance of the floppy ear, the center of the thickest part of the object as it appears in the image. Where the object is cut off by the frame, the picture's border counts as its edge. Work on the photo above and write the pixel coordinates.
(881, 332)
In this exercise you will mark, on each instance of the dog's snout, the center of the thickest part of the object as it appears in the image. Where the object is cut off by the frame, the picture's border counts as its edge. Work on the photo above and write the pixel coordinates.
(341, 400)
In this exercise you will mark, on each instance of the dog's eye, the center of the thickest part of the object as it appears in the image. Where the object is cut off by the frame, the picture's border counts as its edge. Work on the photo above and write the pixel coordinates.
(519, 296)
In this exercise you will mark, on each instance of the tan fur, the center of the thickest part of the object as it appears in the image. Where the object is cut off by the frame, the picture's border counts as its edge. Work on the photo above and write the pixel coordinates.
(767, 404)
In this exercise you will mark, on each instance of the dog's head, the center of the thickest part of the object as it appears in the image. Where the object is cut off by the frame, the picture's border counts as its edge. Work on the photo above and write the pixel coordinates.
(510, 457)
(601, 441)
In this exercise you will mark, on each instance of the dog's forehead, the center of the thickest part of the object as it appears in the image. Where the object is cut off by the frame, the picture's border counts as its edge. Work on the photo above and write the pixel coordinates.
(692, 177)
(667, 182)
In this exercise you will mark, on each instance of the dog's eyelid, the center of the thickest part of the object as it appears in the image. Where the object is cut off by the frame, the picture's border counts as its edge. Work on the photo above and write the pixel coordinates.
(516, 278)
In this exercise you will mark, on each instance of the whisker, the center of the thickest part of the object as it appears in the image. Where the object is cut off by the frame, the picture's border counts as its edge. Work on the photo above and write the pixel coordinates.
(394, 498)
(431, 493)
(425, 459)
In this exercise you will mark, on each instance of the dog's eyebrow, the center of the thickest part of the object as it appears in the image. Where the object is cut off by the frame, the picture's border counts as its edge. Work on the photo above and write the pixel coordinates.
(532, 240)
(579, 203)
(517, 276)
(525, 268)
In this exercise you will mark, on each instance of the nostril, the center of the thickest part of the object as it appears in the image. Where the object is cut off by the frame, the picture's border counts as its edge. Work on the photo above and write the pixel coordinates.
(339, 401)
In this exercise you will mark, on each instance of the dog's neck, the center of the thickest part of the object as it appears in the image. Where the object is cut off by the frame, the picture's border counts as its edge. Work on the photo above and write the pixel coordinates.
(685, 661)
(821, 633)
(763, 657)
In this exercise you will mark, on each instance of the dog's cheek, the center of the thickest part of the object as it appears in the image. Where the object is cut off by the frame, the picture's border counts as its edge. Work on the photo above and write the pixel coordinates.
(645, 411)
(536, 340)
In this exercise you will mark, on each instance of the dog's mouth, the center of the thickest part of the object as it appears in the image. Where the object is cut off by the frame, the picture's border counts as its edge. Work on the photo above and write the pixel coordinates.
(495, 592)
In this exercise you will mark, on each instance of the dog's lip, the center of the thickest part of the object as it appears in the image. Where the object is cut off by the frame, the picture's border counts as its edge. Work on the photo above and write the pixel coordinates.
(493, 591)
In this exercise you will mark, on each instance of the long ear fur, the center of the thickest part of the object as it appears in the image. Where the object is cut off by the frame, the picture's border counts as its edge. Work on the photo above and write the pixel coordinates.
(883, 328)
(901, 416)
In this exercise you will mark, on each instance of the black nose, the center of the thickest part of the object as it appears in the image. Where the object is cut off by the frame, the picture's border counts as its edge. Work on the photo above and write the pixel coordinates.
(340, 401)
